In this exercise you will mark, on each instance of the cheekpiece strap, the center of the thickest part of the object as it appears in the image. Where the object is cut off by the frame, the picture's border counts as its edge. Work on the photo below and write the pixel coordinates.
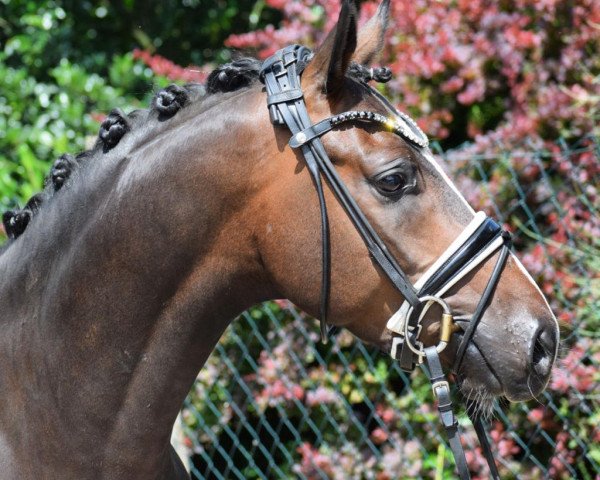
(281, 75)
(441, 391)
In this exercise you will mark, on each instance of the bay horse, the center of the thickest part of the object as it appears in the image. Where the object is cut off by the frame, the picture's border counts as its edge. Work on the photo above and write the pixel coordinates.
(120, 278)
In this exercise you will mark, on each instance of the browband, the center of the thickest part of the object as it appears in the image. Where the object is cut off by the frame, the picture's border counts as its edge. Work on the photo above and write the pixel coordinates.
(402, 125)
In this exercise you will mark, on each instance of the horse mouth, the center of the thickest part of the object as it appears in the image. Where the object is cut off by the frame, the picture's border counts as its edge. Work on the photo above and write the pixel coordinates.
(478, 379)
(479, 383)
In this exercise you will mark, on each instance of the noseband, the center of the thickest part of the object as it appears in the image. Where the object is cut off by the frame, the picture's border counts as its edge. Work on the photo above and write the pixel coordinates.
(481, 239)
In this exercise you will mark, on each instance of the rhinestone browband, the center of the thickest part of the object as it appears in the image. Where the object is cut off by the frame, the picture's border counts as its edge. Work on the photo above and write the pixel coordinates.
(403, 125)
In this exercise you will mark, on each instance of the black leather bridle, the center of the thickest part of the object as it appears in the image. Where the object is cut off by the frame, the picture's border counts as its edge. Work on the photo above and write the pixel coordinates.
(483, 237)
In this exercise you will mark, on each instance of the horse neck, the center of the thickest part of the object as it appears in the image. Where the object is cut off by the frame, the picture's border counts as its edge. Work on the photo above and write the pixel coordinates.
(111, 316)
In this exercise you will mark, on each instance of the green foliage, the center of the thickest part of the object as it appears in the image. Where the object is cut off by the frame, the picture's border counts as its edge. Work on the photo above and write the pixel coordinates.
(65, 64)
(90, 32)
(41, 120)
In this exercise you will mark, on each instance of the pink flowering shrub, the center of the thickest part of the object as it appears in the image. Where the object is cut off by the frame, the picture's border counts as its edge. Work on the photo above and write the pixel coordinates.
(164, 67)
(572, 373)
(473, 69)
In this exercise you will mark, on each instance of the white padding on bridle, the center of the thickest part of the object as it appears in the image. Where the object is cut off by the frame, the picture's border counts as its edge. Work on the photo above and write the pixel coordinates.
(478, 260)
(397, 322)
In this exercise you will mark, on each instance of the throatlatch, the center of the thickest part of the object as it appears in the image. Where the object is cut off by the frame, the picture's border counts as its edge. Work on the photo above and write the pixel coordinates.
(481, 239)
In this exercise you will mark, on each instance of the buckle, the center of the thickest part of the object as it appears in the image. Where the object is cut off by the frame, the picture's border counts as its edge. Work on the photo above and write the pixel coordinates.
(440, 384)
(278, 69)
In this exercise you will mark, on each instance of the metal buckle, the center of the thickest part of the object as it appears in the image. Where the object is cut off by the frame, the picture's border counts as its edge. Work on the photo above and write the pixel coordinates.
(439, 384)
(279, 69)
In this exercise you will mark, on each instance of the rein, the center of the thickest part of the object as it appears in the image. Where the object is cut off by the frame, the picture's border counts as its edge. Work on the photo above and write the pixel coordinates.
(482, 238)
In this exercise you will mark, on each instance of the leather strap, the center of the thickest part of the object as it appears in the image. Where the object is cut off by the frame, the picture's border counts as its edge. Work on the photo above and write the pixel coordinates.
(441, 390)
(310, 133)
(483, 302)
(281, 78)
(483, 236)
(287, 96)
(485, 445)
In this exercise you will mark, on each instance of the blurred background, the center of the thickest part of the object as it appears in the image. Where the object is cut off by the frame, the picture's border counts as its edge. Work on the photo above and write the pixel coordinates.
(509, 93)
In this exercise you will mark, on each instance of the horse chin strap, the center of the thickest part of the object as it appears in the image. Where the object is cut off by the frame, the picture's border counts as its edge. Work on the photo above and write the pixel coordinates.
(481, 239)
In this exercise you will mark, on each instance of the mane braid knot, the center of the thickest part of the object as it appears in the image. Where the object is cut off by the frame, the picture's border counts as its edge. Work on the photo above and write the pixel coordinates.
(61, 170)
(233, 76)
(366, 74)
(15, 222)
(113, 129)
(170, 100)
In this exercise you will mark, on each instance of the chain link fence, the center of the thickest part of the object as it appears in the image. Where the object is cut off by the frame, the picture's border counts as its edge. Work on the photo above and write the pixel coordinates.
(272, 402)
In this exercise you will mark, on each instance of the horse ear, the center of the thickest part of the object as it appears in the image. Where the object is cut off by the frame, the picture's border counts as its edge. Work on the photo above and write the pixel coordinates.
(328, 67)
(372, 35)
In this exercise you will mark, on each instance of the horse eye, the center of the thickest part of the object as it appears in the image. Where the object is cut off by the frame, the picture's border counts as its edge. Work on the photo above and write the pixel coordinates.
(390, 183)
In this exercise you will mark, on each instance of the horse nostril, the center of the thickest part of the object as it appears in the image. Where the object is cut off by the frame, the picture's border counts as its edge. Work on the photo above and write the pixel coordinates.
(538, 352)
(543, 351)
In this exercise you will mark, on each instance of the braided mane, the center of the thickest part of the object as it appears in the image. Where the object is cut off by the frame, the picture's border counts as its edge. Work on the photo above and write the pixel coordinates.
(241, 73)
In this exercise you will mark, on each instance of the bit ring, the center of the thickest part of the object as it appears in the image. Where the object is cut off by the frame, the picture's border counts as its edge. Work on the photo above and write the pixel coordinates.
(445, 330)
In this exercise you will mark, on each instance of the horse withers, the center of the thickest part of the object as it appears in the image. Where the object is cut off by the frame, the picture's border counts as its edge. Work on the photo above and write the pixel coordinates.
(184, 215)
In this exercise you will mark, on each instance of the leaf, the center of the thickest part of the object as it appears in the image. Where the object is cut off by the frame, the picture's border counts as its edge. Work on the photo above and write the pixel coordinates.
(34, 169)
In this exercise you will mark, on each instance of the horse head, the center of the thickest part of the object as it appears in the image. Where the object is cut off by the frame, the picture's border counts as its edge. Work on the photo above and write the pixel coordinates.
(417, 212)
